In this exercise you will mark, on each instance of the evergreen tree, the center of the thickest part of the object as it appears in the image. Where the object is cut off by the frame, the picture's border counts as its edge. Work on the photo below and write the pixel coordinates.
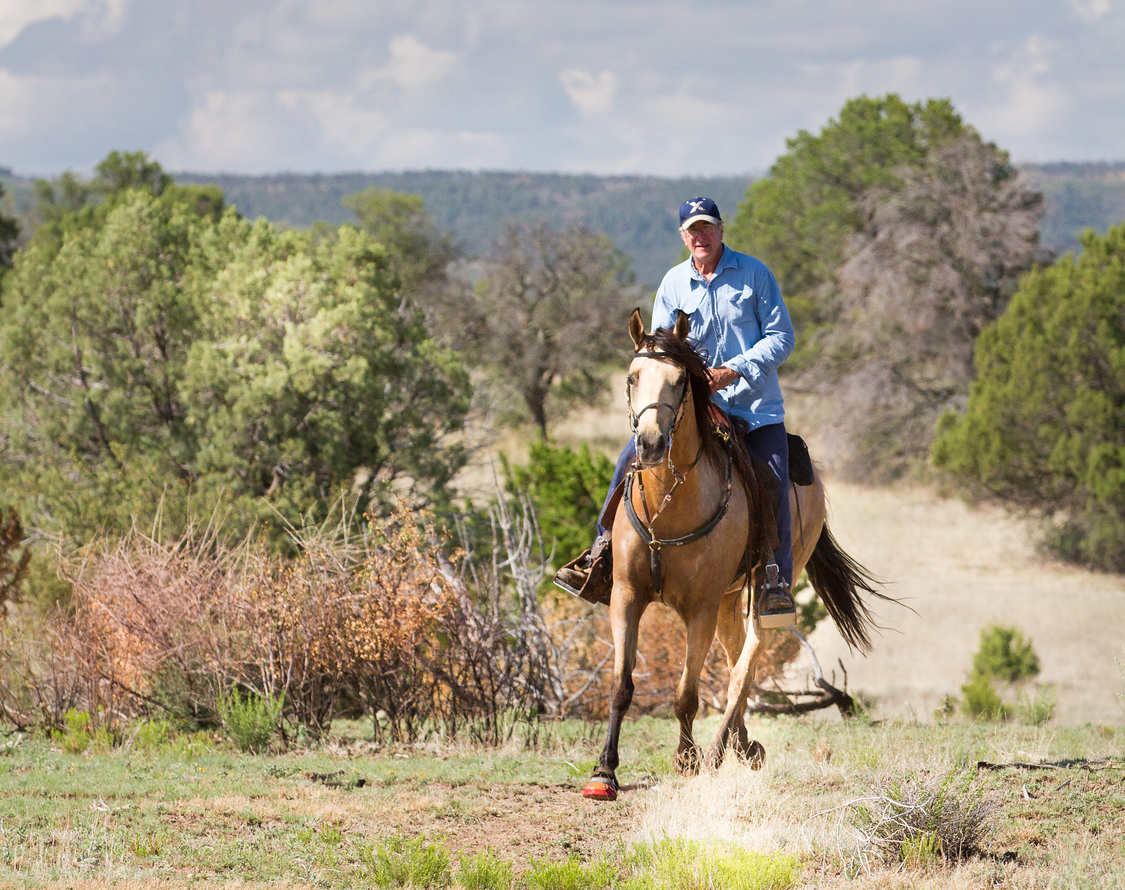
(152, 351)
(1045, 424)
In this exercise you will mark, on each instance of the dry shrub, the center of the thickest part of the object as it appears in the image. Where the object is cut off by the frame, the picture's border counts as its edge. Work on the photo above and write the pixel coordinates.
(12, 569)
(376, 620)
(912, 822)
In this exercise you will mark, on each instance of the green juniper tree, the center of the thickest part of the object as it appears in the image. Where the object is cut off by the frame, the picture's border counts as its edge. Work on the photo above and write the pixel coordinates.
(1044, 428)
(155, 348)
(897, 234)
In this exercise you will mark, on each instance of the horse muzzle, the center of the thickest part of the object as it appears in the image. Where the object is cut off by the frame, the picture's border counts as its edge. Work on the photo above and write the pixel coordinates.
(651, 449)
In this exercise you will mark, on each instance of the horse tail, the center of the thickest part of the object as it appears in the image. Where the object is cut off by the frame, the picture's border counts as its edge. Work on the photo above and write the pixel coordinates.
(838, 580)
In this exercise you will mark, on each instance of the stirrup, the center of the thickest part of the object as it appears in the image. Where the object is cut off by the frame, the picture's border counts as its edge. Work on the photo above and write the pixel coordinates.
(590, 576)
(777, 608)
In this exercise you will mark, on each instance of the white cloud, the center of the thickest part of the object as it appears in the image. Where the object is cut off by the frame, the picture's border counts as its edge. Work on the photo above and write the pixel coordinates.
(415, 148)
(413, 65)
(1032, 105)
(100, 15)
(227, 130)
(1091, 10)
(30, 105)
(590, 93)
(843, 80)
(357, 130)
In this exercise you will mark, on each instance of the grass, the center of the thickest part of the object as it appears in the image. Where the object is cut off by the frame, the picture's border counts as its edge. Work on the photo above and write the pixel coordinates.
(168, 808)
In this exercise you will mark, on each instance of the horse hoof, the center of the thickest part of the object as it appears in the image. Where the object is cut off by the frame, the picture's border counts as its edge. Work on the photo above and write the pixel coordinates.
(687, 761)
(755, 755)
(600, 789)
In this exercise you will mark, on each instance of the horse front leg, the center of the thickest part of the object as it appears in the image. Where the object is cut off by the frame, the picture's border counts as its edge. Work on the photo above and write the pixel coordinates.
(700, 633)
(625, 617)
(743, 643)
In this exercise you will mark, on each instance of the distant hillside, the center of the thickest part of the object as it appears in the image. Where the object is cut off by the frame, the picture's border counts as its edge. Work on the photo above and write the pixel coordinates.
(637, 212)
(1078, 197)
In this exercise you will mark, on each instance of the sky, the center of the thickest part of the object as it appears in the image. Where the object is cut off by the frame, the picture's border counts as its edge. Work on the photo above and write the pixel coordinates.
(684, 88)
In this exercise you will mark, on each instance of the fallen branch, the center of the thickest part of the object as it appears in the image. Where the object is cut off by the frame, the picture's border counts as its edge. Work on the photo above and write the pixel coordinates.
(810, 699)
(1016, 764)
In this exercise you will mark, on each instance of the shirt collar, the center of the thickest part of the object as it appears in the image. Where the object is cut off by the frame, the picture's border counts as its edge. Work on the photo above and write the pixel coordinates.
(726, 261)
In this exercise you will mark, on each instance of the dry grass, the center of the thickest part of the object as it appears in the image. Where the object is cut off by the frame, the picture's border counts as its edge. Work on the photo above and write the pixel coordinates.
(961, 568)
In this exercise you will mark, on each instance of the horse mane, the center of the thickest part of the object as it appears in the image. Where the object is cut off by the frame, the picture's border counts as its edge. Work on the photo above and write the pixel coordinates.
(685, 354)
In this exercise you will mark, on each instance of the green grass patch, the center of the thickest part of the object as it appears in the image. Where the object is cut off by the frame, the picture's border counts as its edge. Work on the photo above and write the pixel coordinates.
(408, 862)
(680, 864)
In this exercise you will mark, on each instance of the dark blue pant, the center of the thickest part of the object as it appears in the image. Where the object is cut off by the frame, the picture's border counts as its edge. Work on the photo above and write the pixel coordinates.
(769, 445)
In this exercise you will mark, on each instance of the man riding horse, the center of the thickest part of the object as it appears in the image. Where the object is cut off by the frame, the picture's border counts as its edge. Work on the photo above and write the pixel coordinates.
(739, 321)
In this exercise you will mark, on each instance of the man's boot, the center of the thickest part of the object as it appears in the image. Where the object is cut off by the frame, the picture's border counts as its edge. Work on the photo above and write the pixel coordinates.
(777, 607)
(590, 576)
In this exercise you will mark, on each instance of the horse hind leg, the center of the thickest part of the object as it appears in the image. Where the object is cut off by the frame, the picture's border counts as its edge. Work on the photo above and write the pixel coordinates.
(685, 705)
(743, 653)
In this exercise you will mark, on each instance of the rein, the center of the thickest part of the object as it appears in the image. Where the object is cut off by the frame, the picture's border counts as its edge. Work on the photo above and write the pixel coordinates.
(644, 528)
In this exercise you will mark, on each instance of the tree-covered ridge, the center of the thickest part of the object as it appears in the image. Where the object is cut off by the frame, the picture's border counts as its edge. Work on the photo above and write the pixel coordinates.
(1077, 197)
(637, 212)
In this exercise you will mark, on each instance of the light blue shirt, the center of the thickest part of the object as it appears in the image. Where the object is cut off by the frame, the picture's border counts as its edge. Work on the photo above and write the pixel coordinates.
(739, 320)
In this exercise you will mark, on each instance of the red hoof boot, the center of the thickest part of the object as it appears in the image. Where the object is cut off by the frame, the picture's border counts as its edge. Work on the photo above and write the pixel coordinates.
(601, 788)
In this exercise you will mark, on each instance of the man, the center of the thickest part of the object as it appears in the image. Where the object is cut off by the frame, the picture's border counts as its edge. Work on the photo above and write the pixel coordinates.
(739, 320)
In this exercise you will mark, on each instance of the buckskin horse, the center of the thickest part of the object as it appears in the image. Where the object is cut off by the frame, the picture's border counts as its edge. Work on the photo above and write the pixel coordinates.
(691, 511)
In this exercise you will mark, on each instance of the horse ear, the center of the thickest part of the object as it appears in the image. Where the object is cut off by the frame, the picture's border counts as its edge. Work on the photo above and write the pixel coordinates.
(682, 328)
(636, 328)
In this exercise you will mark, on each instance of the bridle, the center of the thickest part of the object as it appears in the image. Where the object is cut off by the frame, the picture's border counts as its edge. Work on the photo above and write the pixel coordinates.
(644, 528)
(677, 410)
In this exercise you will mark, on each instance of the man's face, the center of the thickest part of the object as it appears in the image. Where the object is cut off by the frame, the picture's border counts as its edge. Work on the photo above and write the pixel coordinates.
(705, 241)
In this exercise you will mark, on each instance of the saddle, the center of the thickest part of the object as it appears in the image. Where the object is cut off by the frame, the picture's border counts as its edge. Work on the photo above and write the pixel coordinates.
(800, 463)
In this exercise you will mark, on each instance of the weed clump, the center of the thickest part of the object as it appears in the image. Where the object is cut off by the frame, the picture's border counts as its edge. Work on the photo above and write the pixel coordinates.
(675, 863)
(484, 871)
(251, 721)
(403, 862)
(918, 825)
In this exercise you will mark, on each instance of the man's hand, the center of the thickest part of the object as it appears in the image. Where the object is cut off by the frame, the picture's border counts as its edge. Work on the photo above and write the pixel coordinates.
(721, 378)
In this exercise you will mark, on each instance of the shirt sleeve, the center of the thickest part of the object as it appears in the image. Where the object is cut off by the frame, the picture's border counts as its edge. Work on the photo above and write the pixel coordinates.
(763, 357)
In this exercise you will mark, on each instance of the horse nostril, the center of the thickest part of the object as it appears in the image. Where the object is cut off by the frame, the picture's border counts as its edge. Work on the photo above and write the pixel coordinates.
(651, 447)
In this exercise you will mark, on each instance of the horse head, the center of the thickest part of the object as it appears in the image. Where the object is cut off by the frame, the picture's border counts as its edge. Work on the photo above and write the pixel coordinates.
(658, 388)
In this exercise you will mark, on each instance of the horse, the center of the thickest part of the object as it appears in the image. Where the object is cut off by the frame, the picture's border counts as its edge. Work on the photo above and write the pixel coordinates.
(694, 489)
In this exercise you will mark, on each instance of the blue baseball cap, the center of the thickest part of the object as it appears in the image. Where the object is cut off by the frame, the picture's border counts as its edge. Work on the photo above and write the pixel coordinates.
(695, 209)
